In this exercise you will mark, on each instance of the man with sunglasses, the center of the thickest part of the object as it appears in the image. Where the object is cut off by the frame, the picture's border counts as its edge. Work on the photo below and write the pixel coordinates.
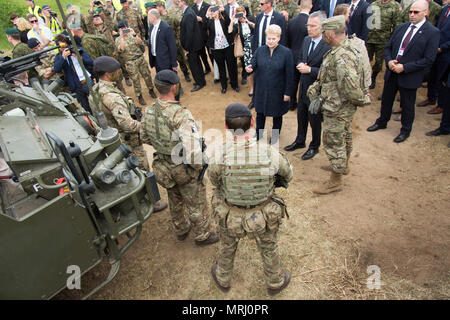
(42, 33)
(410, 51)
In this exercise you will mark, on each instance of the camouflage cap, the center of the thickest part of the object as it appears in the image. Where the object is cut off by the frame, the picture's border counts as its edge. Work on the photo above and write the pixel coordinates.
(236, 110)
(33, 43)
(11, 31)
(167, 77)
(150, 5)
(334, 23)
(106, 64)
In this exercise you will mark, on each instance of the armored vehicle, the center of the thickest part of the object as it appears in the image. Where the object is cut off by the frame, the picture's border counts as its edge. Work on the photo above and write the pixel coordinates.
(69, 188)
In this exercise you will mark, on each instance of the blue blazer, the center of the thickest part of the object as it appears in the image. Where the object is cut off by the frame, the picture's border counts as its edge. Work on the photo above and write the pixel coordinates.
(419, 55)
(277, 18)
(443, 58)
(166, 48)
(358, 21)
(325, 5)
(62, 64)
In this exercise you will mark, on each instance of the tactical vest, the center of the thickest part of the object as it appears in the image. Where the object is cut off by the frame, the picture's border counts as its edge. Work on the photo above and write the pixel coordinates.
(159, 125)
(246, 179)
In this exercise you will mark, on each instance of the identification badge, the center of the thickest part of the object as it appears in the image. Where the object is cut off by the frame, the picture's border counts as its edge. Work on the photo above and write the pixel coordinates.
(400, 52)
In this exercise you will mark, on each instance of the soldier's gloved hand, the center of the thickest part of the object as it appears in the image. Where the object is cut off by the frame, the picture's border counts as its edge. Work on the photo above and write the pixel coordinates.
(316, 105)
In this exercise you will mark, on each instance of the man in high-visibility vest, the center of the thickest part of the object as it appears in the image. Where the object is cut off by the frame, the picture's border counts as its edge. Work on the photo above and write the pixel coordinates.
(42, 33)
(51, 20)
(36, 10)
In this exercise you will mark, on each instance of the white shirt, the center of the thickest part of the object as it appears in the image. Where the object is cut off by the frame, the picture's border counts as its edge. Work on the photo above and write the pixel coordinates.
(230, 14)
(46, 31)
(199, 5)
(354, 4)
(153, 38)
(417, 27)
(261, 32)
(78, 69)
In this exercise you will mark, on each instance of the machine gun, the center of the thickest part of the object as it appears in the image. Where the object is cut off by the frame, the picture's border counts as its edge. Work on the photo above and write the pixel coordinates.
(13, 67)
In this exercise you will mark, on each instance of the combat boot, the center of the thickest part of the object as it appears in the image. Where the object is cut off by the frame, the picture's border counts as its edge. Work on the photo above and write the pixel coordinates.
(152, 93)
(213, 238)
(141, 100)
(332, 185)
(374, 79)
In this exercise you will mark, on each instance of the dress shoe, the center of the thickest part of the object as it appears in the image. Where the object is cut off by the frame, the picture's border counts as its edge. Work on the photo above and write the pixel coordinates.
(287, 279)
(426, 103)
(436, 133)
(309, 154)
(213, 273)
(295, 146)
(152, 93)
(250, 94)
(159, 206)
(213, 238)
(196, 88)
(251, 105)
(207, 71)
(128, 82)
(244, 81)
(187, 78)
(237, 89)
(375, 127)
(216, 80)
(293, 106)
(141, 100)
(223, 90)
(436, 110)
(401, 137)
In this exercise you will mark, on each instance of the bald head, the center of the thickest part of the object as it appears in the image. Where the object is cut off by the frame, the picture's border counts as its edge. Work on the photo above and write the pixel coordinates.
(418, 11)
(420, 4)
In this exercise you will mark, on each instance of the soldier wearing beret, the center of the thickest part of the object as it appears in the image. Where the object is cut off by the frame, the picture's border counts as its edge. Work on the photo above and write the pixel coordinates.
(244, 173)
(116, 105)
(342, 85)
(19, 48)
(171, 129)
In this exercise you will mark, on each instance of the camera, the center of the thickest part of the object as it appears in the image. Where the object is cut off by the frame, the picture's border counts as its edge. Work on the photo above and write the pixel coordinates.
(239, 15)
(53, 14)
(215, 8)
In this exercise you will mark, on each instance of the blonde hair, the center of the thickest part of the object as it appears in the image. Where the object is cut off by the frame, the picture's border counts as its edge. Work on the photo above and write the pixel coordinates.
(274, 29)
(23, 24)
(341, 9)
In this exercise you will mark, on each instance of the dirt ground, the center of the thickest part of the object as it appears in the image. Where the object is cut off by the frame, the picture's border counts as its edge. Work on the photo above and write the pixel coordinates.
(393, 213)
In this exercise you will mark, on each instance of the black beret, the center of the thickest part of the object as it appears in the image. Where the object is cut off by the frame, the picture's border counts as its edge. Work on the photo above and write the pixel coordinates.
(106, 64)
(167, 76)
(236, 110)
(123, 1)
(33, 43)
(122, 24)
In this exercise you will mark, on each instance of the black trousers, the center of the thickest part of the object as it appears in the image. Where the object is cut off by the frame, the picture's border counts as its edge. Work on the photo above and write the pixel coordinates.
(295, 84)
(204, 58)
(303, 118)
(222, 57)
(407, 103)
(195, 65)
(82, 95)
(276, 128)
(445, 98)
(244, 73)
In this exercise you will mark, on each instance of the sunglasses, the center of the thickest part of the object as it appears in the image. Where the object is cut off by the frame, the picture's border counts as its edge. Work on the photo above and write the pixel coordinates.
(33, 21)
(261, 3)
(414, 11)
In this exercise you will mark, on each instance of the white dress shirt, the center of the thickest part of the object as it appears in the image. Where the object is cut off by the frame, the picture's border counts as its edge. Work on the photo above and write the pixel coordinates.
(153, 38)
(261, 32)
(417, 27)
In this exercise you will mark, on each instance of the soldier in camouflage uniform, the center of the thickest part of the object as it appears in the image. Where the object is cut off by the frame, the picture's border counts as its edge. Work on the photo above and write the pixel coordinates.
(385, 15)
(343, 84)
(45, 69)
(131, 50)
(116, 105)
(289, 6)
(173, 18)
(19, 48)
(434, 12)
(103, 13)
(74, 14)
(132, 16)
(171, 130)
(111, 9)
(244, 174)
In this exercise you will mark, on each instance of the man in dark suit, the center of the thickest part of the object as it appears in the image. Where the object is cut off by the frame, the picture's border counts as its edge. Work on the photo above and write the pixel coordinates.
(411, 49)
(192, 42)
(359, 14)
(162, 48)
(200, 8)
(329, 5)
(440, 64)
(267, 17)
(296, 32)
(308, 64)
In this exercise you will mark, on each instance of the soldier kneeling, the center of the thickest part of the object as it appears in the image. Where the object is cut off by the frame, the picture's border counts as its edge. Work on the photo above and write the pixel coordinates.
(245, 174)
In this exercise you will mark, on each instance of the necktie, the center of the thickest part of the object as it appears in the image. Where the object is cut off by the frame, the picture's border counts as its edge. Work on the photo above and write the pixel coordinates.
(445, 16)
(232, 12)
(312, 48)
(263, 31)
(406, 42)
(351, 9)
(332, 6)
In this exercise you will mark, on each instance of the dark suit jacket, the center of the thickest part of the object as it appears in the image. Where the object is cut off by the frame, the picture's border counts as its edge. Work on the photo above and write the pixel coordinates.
(419, 55)
(358, 21)
(202, 13)
(72, 79)
(325, 6)
(296, 32)
(166, 48)
(227, 9)
(190, 32)
(277, 18)
(443, 58)
(211, 27)
(314, 61)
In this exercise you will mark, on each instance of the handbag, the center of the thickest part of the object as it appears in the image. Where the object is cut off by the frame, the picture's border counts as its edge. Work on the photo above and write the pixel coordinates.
(238, 47)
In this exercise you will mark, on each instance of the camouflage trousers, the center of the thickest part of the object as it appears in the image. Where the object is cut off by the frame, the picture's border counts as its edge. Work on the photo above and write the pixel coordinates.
(376, 49)
(137, 148)
(337, 139)
(139, 67)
